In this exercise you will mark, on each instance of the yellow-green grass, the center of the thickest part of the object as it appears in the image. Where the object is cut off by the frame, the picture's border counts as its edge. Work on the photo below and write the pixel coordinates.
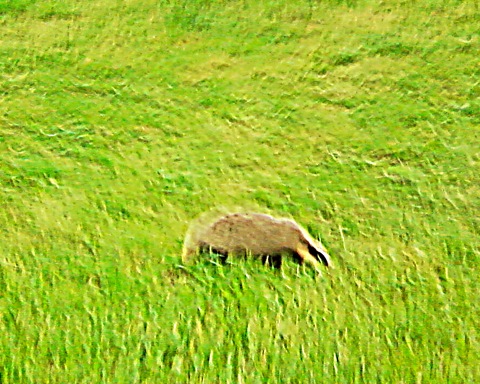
(120, 121)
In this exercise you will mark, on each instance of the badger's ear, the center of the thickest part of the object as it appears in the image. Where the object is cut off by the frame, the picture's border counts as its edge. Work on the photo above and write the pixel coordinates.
(320, 254)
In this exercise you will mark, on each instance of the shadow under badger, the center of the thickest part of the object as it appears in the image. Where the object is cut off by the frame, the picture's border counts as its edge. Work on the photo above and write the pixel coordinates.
(259, 235)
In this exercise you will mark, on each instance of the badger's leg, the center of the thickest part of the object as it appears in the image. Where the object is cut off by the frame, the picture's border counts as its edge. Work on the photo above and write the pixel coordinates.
(274, 261)
(222, 254)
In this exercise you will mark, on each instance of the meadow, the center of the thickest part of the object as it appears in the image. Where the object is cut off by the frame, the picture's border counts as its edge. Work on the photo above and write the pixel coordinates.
(122, 120)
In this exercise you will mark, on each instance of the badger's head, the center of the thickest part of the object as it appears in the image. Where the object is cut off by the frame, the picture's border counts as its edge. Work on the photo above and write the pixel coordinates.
(316, 249)
(308, 249)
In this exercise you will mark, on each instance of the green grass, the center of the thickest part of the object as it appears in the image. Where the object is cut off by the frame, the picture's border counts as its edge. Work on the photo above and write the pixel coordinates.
(120, 121)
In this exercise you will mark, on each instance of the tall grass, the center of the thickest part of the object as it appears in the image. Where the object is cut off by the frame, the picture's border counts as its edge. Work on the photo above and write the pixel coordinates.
(121, 121)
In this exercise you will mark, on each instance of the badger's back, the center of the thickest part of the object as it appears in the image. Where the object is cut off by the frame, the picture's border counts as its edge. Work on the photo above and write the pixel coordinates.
(254, 232)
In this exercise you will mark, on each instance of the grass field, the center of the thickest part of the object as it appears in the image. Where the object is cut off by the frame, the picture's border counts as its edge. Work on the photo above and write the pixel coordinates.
(120, 121)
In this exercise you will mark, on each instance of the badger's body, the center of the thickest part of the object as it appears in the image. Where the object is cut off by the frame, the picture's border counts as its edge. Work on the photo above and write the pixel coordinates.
(258, 235)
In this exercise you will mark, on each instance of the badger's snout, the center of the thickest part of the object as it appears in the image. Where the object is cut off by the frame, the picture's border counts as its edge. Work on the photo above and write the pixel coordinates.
(320, 254)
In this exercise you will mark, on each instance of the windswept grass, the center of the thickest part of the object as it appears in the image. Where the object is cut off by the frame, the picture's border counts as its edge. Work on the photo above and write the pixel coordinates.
(122, 120)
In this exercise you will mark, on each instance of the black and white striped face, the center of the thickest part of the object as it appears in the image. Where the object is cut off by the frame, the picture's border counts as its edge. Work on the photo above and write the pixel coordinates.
(317, 251)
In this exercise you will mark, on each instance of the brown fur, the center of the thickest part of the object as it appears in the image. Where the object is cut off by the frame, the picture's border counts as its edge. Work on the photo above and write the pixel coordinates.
(256, 234)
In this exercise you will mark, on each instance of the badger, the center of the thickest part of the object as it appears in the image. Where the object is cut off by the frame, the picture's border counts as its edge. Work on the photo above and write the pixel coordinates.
(254, 234)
